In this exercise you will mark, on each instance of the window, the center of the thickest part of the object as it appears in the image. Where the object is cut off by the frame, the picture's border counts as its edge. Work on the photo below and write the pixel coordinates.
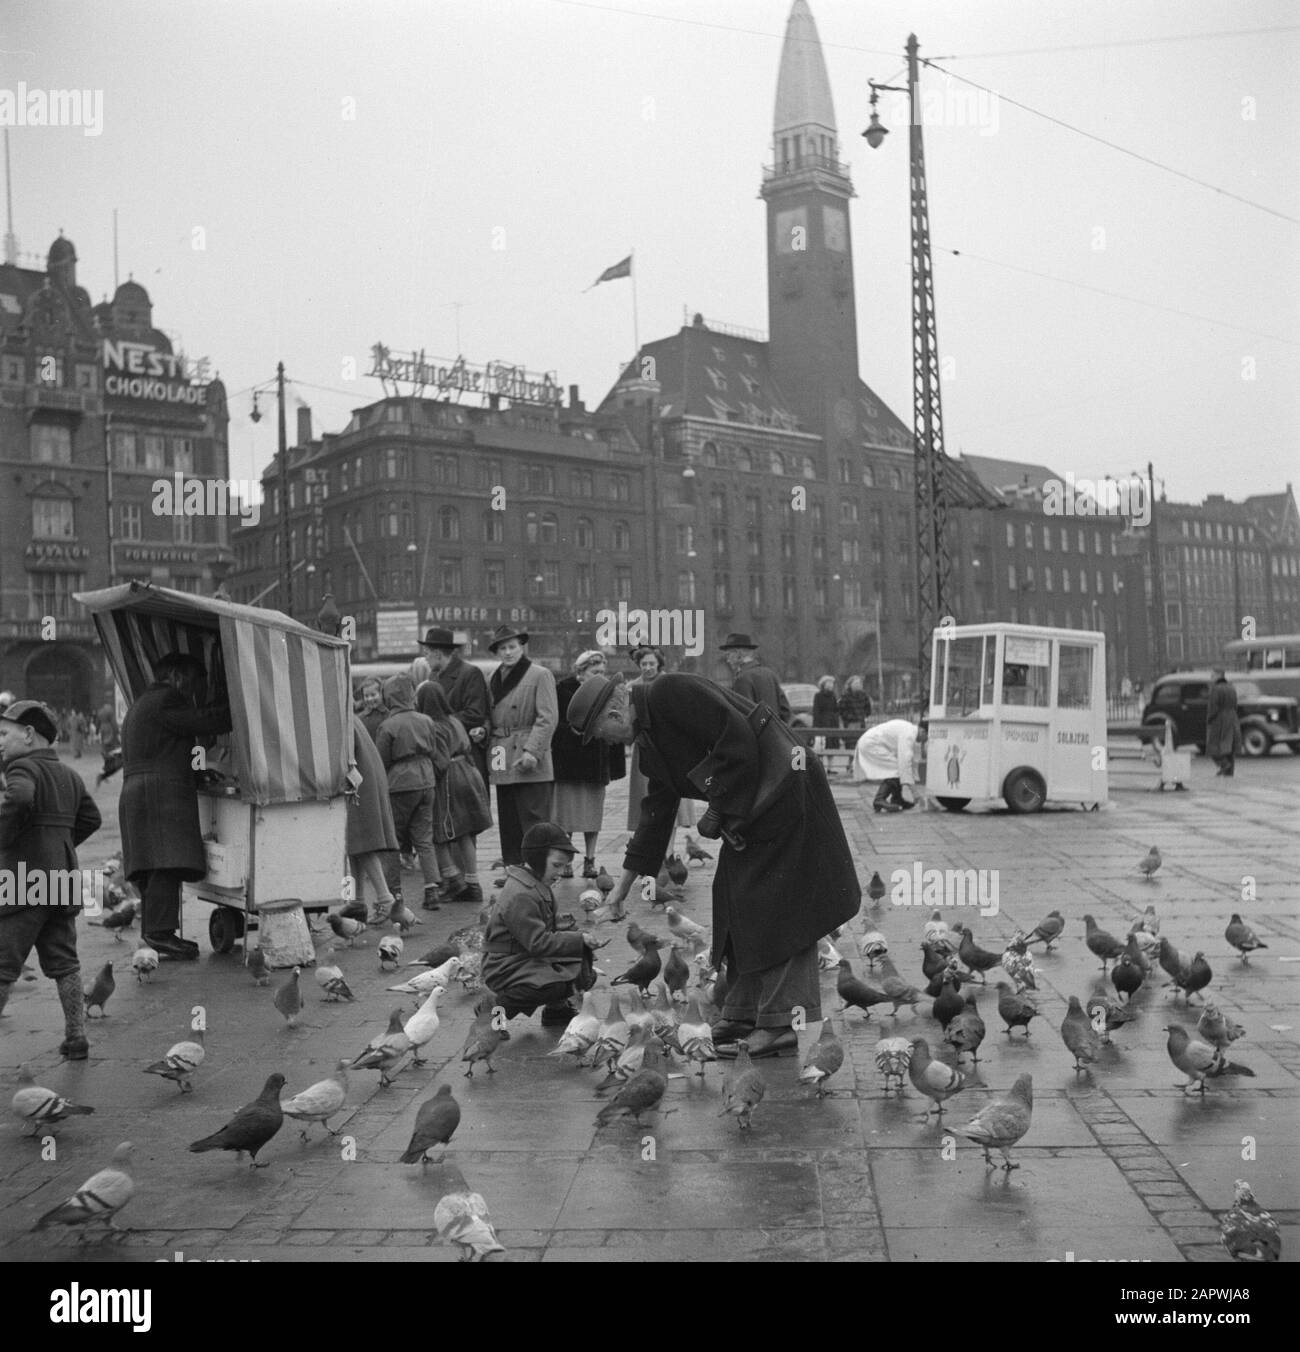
(753, 509)
(52, 444)
(819, 549)
(787, 547)
(846, 472)
(550, 578)
(961, 676)
(11, 370)
(51, 594)
(848, 513)
(491, 474)
(896, 480)
(183, 455)
(775, 463)
(852, 593)
(1065, 540)
(1047, 579)
(494, 577)
(550, 529)
(494, 528)
(1101, 583)
(1047, 537)
(1083, 543)
(789, 593)
(183, 530)
(850, 551)
(817, 514)
(710, 453)
(1065, 579)
(686, 587)
(155, 452)
(390, 463)
(756, 597)
(1011, 577)
(1116, 584)
(718, 504)
(821, 588)
(1029, 537)
(622, 584)
(541, 479)
(584, 534)
(583, 578)
(52, 519)
(745, 458)
(584, 484)
(685, 538)
(619, 488)
(124, 450)
(1029, 577)
(722, 593)
(1096, 542)
(449, 577)
(621, 537)
(868, 477)
(720, 542)
(1083, 580)
(809, 468)
(448, 523)
(1026, 667)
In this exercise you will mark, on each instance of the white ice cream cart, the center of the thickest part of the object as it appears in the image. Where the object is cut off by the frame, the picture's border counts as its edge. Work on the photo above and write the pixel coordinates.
(1017, 712)
(272, 808)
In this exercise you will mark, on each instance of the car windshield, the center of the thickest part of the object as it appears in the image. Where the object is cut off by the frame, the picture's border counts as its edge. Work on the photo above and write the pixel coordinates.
(1247, 690)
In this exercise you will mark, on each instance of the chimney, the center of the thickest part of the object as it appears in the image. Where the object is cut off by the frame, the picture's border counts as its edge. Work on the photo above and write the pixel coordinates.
(304, 424)
(575, 403)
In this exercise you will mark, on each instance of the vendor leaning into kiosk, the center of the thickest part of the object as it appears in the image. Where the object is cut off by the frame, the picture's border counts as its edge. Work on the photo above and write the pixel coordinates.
(162, 845)
(785, 875)
(890, 752)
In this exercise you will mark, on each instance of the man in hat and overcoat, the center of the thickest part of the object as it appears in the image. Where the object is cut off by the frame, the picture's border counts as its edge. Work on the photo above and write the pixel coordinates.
(751, 678)
(785, 876)
(524, 716)
(466, 689)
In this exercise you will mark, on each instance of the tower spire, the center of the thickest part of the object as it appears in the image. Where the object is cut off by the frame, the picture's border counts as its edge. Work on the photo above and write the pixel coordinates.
(804, 115)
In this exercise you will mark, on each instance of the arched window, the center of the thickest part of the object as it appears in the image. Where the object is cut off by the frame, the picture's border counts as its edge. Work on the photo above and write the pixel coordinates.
(710, 453)
(584, 534)
(745, 458)
(896, 479)
(448, 523)
(868, 477)
(777, 465)
(809, 468)
(622, 537)
(686, 587)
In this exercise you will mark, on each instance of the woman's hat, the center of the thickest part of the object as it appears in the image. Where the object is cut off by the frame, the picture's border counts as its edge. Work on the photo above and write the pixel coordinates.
(505, 632)
(737, 641)
(586, 659)
(31, 713)
(586, 707)
(440, 638)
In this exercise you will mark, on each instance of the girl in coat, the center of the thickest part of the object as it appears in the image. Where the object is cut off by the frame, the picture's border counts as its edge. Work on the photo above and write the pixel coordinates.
(371, 836)
(582, 772)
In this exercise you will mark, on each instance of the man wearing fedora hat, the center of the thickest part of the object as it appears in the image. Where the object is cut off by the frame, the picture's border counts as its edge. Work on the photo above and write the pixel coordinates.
(749, 676)
(524, 717)
(466, 689)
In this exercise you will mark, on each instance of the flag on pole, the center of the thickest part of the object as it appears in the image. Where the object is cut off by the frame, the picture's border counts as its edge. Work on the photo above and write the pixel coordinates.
(611, 274)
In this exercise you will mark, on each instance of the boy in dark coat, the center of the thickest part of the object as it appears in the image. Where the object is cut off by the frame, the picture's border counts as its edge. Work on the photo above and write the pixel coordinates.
(162, 845)
(44, 815)
(793, 882)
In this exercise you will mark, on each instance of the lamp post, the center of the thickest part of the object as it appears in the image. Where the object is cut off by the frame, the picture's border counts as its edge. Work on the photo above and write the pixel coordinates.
(286, 561)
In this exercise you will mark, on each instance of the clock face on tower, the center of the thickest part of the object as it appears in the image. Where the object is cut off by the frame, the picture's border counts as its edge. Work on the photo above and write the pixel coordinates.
(792, 230)
(835, 227)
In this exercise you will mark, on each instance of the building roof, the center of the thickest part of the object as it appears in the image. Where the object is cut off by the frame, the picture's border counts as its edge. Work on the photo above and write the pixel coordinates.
(17, 287)
(803, 91)
(1008, 476)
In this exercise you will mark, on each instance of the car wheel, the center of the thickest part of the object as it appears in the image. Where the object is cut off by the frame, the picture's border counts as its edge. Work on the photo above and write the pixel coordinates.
(1295, 748)
(954, 804)
(1024, 791)
(1255, 740)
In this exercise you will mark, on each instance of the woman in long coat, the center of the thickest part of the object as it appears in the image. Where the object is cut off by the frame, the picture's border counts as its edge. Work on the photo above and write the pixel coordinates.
(1222, 727)
(371, 837)
(582, 772)
(793, 882)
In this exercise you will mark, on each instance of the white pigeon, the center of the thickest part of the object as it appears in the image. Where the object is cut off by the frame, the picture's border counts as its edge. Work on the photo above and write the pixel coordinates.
(936, 928)
(320, 1101)
(638, 1014)
(695, 1036)
(330, 978)
(40, 1106)
(144, 961)
(462, 1219)
(437, 978)
(423, 1024)
(580, 1034)
(390, 952)
(385, 1051)
(682, 927)
(179, 1064)
(612, 1035)
(892, 1057)
(873, 947)
(828, 956)
(99, 1198)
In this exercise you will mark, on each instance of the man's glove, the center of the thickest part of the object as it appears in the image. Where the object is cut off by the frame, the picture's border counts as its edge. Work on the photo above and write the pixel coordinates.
(710, 825)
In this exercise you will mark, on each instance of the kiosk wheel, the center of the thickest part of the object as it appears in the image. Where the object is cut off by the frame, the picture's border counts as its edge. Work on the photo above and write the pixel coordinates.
(954, 804)
(1024, 791)
(225, 928)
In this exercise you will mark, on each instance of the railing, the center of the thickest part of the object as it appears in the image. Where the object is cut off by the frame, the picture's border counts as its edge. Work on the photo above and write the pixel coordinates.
(802, 162)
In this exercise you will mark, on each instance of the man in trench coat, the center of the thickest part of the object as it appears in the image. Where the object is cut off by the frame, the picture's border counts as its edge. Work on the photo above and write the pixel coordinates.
(466, 689)
(1222, 726)
(793, 882)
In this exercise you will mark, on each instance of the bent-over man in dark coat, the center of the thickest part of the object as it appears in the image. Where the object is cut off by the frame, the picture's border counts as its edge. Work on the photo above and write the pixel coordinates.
(793, 882)
(1222, 726)
(162, 846)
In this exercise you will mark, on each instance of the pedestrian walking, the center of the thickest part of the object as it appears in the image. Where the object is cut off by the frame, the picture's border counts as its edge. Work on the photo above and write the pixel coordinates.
(407, 744)
(785, 876)
(45, 814)
(162, 845)
(519, 754)
(888, 753)
(826, 711)
(371, 833)
(466, 689)
(582, 772)
(751, 678)
(460, 803)
(78, 734)
(1222, 726)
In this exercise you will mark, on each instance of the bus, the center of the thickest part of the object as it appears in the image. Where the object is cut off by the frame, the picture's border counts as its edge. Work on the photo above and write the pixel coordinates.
(1272, 662)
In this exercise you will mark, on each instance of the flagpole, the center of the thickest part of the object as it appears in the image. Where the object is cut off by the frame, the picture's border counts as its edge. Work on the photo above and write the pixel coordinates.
(636, 329)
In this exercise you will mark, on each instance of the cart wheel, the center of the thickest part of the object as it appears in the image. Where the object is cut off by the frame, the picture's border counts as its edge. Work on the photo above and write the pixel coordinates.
(1025, 791)
(954, 804)
(225, 928)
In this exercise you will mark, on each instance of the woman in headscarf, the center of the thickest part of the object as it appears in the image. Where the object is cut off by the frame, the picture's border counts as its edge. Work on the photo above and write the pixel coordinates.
(582, 772)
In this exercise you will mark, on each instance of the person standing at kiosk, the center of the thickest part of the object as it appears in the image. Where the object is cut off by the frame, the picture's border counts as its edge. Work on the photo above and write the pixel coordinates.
(162, 845)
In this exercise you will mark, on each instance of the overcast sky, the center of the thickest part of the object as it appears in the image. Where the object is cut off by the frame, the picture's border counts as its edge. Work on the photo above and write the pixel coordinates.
(572, 132)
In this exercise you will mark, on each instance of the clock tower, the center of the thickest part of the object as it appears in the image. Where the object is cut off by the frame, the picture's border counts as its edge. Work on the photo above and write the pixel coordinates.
(812, 322)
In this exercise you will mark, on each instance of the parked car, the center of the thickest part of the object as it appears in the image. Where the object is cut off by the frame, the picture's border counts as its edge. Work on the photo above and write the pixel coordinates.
(1181, 698)
(801, 702)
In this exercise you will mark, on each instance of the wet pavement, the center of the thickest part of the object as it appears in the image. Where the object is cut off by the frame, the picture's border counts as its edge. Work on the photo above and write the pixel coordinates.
(1118, 1164)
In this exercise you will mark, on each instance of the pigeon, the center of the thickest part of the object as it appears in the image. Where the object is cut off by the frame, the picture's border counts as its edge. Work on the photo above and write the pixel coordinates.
(120, 917)
(384, 1052)
(1142, 949)
(435, 978)
(680, 927)
(743, 1088)
(1250, 1234)
(612, 1035)
(636, 937)
(320, 1102)
(104, 986)
(462, 1218)
(822, 1059)
(1015, 1009)
(895, 988)
(435, 1124)
(676, 869)
(1001, 1123)
(644, 970)
(975, 958)
(641, 1094)
(966, 1031)
(663, 1015)
(935, 960)
(892, 1057)
(1018, 964)
(257, 967)
(390, 953)
(1080, 1037)
(951, 972)
(1126, 977)
(353, 910)
(1216, 1028)
(948, 1004)
(1242, 937)
(329, 620)
(180, 1063)
(422, 1025)
(1047, 931)
(330, 978)
(935, 930)
(695, 1037)
(345, 927)
(589, 899)
(854, 991)
(933, 1078)
(438, 955)
(1172, 961)
(481, 1045)
(1148, 866)
(876, 888)
(401, 915)
(35, 1104)
(873, 946)
(694, 852)
(1147, 923)
(288, 999)
(1106, 1015)
(252, 1126)
(629, 1060)
(99, 1198)
(828, 956)
(1195, 978)
(637, 1014)
(604, 881)
(676, 973)
(144, 961)
(582, 1030)
(1100, 943)
(1198, 1060)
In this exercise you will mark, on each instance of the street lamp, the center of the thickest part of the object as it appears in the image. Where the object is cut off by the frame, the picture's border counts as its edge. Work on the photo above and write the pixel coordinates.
(286, 563)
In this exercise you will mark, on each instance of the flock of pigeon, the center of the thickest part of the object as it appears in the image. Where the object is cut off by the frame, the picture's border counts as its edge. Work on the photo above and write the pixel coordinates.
(658, 1013)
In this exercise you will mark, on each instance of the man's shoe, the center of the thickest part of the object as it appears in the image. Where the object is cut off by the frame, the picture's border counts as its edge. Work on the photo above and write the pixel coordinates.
(763, 1042)
(886, 807)
(453, 891)
(904, 805)
(431, 902)
(473, 894)
(171, 949)
(74, 1049)
(589, 869)
(558, 1016)
(498, 882)
(729, 1030)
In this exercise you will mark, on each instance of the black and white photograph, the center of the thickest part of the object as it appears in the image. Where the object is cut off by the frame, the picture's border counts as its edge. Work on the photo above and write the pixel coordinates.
(649, 630)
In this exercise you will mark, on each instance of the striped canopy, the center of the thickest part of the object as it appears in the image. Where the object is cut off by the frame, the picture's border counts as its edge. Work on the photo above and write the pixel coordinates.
(290, 700)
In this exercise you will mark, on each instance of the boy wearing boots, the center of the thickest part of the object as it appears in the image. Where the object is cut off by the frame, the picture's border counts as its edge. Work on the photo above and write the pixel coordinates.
(44, 815)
